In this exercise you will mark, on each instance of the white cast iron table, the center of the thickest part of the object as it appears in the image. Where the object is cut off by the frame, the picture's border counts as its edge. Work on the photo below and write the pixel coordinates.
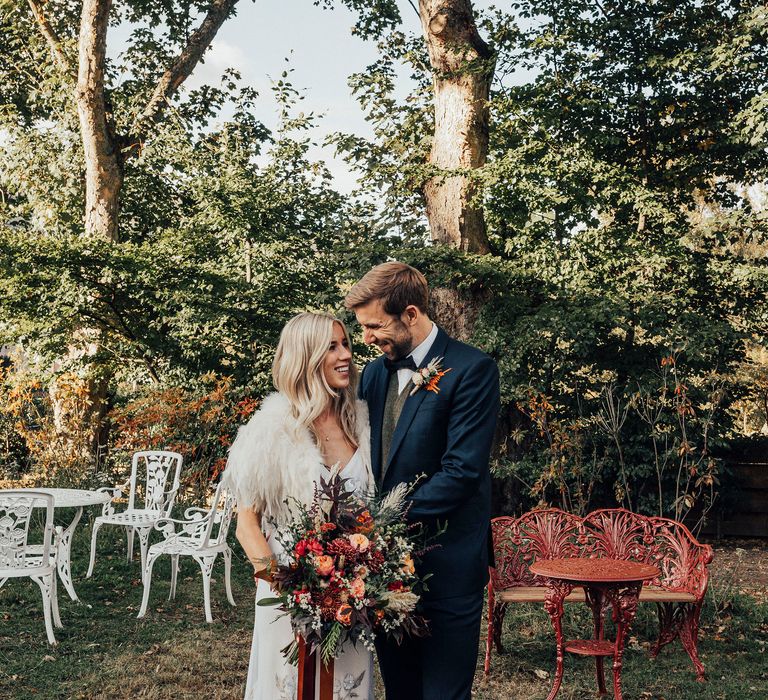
(70, 498)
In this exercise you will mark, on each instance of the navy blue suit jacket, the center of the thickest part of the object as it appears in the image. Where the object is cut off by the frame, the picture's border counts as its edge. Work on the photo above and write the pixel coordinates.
(446, 436)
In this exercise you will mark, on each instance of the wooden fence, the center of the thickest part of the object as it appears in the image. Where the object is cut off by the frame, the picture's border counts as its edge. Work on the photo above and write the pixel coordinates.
(745, 513)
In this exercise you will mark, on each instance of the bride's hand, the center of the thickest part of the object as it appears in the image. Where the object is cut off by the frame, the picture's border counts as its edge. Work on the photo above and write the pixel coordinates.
(265, 574)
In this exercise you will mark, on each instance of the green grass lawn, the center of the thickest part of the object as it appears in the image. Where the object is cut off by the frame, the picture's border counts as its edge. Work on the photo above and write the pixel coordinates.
(104, 651)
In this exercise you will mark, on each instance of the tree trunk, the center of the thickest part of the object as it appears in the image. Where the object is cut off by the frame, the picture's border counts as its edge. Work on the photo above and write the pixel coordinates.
(462, 65)
(82, 429)
(80, 405)
(454, 311)
(103, 166)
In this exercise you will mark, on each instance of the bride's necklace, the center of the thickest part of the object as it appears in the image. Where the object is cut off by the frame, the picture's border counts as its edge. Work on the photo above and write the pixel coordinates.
(323, 434)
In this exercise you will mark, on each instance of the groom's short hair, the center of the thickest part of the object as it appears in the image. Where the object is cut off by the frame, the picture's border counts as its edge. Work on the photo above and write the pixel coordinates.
(397, 285)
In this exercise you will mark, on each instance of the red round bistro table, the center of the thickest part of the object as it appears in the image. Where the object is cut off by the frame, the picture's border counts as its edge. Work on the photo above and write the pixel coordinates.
(605, 581)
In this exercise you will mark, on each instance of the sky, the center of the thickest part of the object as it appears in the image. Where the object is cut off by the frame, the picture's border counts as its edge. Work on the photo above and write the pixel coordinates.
(322, 53)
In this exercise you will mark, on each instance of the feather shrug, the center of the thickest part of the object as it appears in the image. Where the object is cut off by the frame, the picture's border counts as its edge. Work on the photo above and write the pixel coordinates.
(274, 458)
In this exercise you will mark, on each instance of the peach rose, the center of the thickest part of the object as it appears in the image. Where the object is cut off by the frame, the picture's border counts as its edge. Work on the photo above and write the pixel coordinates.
(359, 542)
(357, 588)
(324, 565)
(408, 566)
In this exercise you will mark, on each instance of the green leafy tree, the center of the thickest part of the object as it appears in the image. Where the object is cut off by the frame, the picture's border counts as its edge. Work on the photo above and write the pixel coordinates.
(57, 70)
(219, 230)
(624, 142)
(222, 247)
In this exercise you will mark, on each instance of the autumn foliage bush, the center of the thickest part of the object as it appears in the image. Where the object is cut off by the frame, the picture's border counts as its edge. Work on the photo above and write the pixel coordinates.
(199, 422)
(34, 445)
(655, 440)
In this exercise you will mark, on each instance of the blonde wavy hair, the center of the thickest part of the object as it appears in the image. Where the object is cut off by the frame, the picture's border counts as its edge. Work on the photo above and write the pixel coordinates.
(297, 372)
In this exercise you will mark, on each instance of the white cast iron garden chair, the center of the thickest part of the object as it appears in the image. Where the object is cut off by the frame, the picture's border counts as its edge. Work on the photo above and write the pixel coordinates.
(202, 535)
(19, 558)
(159, 491)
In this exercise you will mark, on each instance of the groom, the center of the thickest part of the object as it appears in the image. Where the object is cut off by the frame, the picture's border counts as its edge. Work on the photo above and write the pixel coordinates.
(445, 434)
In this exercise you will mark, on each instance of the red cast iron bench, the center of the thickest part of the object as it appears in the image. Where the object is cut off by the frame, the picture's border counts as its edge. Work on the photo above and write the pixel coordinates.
(612, 533)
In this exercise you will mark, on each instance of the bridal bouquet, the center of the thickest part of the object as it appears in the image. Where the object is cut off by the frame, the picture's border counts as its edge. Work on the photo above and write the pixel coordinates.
(350, 570)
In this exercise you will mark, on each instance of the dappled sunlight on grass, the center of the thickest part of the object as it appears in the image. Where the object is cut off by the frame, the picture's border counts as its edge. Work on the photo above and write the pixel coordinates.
(105, 651)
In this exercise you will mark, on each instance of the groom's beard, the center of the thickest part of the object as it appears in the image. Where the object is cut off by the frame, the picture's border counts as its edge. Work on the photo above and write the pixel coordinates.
(401, 345)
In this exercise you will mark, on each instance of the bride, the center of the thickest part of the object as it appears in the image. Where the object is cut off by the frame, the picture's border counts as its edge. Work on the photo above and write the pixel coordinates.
(310, 425)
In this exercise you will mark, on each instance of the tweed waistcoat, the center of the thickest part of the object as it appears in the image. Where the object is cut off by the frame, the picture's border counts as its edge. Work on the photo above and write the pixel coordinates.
(393, 407)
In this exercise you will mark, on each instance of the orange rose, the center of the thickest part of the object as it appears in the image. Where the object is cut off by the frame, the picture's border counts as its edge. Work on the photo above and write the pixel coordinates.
(359, 542)
(357, 588)
(324, 565)
(344, 614)
(365, 522)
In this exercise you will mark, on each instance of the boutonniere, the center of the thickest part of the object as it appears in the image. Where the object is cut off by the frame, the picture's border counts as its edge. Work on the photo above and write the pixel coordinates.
(429, 376)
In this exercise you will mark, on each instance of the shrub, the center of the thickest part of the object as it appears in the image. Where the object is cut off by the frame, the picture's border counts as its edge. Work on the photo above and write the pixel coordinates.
(35, 444)
(199, 422)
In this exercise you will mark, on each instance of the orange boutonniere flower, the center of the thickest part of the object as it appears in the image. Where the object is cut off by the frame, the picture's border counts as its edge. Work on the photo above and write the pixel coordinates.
(429, 376)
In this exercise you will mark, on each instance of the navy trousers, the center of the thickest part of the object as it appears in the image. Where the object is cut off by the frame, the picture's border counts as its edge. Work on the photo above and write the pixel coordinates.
(441, 666)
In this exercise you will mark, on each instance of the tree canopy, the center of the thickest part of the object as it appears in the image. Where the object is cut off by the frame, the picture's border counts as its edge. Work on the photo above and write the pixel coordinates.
(621, 285)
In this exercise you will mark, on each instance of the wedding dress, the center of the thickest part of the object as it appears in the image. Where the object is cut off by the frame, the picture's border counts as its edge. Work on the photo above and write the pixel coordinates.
(270, 676)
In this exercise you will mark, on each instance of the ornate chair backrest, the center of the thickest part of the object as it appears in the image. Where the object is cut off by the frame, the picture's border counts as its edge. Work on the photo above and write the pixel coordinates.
(222, 509)
(680, 556)
(617, 533)
(203, 528)
(539, 534)
(614, 533)
(162, 470)
(15, 517)
(665, 543)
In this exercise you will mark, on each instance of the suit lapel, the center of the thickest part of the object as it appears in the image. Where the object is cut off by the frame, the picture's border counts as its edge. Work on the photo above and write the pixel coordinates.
(376, 398)
(412, 403)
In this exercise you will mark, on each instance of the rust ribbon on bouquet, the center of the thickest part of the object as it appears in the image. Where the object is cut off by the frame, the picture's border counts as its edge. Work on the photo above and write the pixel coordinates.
(307, 674)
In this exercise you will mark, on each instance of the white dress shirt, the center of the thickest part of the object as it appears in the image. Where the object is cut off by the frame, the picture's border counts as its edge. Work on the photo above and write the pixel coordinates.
(418, 354)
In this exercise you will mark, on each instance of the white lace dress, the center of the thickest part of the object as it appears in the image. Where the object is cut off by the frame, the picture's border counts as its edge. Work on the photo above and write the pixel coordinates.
(270, 677)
